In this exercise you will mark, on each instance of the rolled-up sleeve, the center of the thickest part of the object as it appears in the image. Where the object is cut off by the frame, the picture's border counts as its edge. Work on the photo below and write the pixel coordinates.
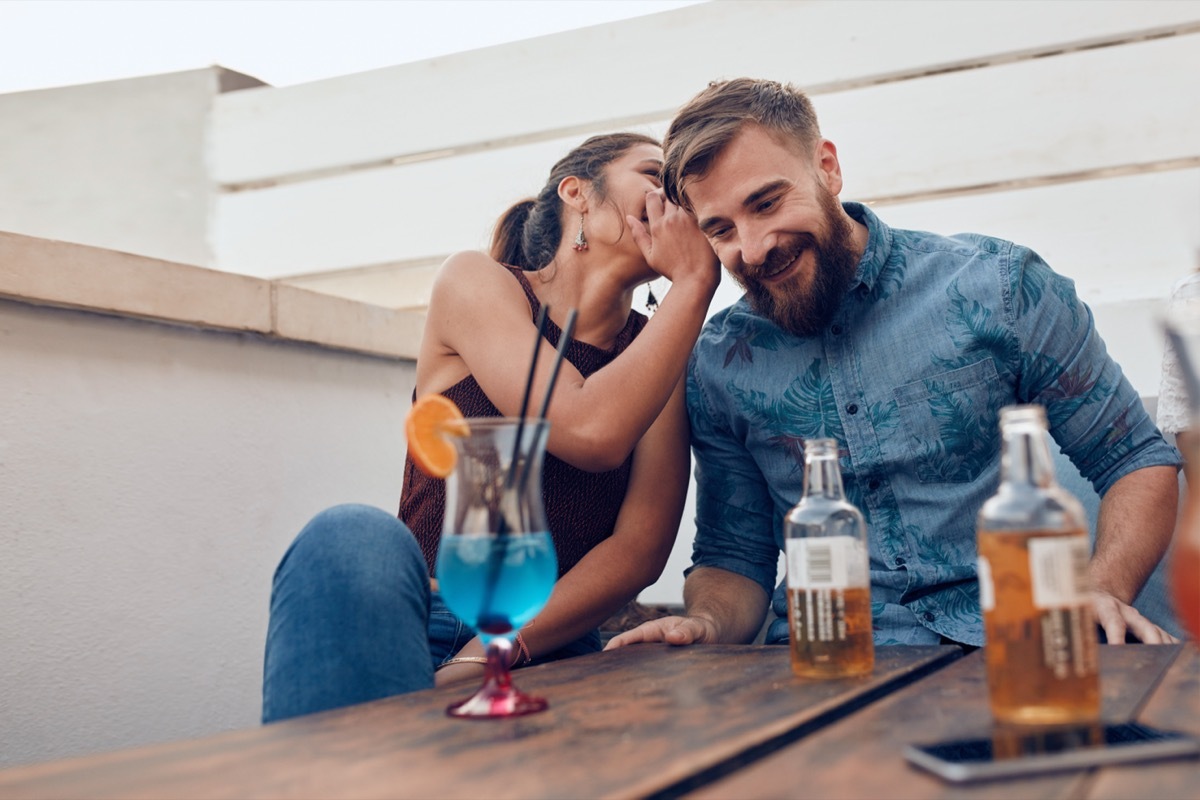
(1094, 412)
(734, 519)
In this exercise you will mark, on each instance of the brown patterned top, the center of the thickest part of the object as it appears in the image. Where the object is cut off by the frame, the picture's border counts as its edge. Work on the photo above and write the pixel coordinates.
(581, 507)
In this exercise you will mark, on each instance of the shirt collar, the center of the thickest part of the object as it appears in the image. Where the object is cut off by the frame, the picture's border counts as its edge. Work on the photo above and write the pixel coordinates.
(879, 244)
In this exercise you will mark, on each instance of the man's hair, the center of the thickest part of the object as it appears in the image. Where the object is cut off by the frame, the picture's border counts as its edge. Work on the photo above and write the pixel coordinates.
(703, 127)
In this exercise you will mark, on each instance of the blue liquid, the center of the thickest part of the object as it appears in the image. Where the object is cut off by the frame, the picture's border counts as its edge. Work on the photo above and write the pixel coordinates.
(524, 578)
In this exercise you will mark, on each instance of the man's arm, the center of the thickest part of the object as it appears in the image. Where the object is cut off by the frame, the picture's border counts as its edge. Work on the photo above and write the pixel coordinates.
(1099, 419)
(722, 608)
(1137, 517)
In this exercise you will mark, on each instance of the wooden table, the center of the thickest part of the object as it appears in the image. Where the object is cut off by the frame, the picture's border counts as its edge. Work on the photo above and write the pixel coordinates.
(861, 756)
(635, 722)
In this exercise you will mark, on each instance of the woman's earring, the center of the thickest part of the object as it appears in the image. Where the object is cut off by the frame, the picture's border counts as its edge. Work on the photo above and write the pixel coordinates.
(651, 300)
(581, 242)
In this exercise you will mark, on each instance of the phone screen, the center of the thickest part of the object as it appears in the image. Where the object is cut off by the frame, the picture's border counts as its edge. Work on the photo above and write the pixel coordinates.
(1010, 752)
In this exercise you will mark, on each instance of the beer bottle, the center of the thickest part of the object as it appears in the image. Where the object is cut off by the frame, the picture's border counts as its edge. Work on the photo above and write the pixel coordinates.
(828, 574)
(1039, 626)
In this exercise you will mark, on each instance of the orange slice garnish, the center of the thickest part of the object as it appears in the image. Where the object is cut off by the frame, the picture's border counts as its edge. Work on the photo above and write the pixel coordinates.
(430, 421)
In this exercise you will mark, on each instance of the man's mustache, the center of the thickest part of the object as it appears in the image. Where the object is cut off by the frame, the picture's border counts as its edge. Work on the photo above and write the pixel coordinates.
(782, 255)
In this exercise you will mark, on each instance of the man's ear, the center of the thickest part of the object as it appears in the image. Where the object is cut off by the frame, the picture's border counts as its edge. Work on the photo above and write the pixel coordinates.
(829, 169)
(571, 192)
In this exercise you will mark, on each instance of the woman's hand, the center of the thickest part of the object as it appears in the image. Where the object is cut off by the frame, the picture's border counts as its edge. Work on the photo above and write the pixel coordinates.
(672, 244)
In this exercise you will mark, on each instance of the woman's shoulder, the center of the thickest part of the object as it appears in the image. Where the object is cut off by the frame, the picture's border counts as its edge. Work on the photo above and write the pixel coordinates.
(472, 262)
(474, 272)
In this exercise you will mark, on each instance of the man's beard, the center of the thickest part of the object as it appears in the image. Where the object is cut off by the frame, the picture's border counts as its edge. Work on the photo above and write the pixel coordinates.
(807, 314)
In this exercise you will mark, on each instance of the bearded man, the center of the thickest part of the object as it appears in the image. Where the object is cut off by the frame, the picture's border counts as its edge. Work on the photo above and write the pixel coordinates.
(903, 346)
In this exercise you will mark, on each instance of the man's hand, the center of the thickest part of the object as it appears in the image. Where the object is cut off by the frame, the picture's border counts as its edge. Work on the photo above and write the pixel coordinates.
(1117, 618)
(672, 630)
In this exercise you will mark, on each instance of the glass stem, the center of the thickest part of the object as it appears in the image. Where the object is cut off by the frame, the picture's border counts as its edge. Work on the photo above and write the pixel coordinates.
(499, 655)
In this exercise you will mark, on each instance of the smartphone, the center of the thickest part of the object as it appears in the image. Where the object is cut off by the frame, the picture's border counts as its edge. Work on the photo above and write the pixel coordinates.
(1007, 753)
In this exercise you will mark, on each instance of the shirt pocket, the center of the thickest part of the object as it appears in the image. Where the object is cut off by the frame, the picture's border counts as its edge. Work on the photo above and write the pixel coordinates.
(949, 422)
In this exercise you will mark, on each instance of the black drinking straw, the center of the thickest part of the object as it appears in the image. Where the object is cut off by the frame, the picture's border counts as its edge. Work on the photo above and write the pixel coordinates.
(543, 315)
(563, 343)
(499, 552)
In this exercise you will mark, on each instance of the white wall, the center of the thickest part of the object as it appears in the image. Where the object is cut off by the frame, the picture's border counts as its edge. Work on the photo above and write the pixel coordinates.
(121, 165)
(150, 479)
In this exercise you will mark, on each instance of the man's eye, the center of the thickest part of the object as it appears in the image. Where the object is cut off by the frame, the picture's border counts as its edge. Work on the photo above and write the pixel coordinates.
(766, 205)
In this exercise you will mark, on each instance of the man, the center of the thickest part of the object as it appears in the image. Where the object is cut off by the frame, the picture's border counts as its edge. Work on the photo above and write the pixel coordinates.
(903, 346)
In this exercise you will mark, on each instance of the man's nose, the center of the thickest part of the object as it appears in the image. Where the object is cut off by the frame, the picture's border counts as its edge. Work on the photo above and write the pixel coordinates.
(755, 245)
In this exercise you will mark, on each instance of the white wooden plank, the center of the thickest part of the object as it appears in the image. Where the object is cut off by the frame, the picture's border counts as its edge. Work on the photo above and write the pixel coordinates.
(429, 210)
(608, 75)
(403, 213)
(1118, 239)
(1086, 111)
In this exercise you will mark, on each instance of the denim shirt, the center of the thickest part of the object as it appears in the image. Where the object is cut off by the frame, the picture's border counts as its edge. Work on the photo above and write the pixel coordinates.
(935, 335)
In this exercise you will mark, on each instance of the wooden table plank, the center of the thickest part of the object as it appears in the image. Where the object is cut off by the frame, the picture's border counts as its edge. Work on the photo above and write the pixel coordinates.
(861, 756)
(1175, 705)
(627, 723)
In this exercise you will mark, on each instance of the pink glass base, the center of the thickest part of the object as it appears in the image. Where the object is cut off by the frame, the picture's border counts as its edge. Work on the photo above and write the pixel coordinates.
(491, 702)
(497, 697)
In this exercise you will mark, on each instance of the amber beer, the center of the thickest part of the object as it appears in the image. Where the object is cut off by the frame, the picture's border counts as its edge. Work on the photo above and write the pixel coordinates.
(1042, 647)
(1042, 661)
(828, 574)
(828, 636)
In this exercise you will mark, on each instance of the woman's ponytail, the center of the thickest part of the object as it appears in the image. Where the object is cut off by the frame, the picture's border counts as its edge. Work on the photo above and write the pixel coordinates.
(529, 234)
(508, 245)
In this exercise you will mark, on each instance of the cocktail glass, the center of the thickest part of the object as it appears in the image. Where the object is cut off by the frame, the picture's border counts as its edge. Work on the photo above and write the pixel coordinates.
(496, 565)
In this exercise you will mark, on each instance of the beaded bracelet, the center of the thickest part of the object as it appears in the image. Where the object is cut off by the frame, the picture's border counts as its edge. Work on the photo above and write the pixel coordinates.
(462, 660)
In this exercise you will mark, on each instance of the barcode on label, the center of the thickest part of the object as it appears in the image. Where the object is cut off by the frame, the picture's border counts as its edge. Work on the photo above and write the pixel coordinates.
(830, 562)
(1058, 570)
(820, 563)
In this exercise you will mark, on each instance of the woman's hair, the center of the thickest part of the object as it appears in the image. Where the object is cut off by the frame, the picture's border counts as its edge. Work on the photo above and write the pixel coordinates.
(710, 120)
(529, 233)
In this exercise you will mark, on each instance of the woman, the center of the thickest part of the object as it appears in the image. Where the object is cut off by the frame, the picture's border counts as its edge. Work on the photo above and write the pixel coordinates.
(352, 615)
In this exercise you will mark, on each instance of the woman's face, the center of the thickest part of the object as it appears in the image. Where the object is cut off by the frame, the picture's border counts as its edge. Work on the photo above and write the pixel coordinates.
(627, 181)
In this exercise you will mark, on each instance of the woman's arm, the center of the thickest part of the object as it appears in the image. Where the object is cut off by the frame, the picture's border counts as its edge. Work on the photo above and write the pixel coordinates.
(632, 558)
(479, 324)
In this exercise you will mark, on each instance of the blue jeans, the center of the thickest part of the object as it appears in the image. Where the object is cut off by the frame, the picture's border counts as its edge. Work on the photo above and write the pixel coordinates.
(353, 619)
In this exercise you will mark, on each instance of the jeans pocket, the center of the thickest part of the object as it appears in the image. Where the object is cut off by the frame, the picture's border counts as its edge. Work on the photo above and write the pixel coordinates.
(447, 633)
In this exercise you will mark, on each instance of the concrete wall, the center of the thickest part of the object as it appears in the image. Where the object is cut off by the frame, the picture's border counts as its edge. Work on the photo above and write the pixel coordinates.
(150, 479)
(122, 164)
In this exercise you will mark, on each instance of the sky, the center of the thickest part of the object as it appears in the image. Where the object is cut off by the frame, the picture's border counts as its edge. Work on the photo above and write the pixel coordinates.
(47, 43)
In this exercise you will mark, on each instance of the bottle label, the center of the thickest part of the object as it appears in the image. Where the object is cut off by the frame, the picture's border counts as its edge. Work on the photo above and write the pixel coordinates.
(1058, 570)
(987, 589)
(826, 562)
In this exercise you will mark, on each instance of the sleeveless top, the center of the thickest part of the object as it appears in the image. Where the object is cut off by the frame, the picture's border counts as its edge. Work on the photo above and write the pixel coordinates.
(581, 507)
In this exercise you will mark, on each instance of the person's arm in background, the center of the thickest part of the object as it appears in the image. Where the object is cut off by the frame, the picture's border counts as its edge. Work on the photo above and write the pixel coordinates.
(1174, 415)
(1102, 425)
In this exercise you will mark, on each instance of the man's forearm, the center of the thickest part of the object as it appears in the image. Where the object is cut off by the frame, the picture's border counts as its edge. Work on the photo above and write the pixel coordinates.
(735, 605)
(1137, 518)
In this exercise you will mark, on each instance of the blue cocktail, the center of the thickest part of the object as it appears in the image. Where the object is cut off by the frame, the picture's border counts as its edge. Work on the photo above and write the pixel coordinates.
(497, 566)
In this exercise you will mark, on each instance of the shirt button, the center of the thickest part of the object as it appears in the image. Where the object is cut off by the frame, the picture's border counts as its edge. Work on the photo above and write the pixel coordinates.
(900, 562)
(837, 330)
(928, 615)
(852, 408)
(873, 484)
